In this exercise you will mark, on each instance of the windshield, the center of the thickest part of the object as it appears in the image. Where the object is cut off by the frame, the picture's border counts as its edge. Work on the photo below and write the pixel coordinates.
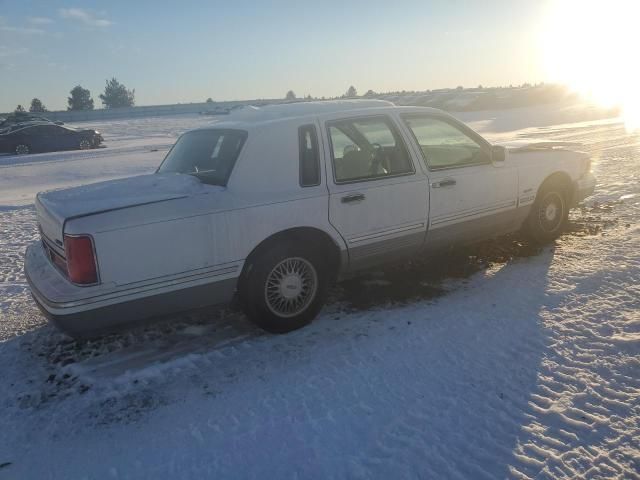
(208, 154)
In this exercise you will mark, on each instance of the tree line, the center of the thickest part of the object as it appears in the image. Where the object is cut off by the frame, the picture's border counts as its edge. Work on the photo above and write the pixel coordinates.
(350, 93)
(115, 95)
(353, 93)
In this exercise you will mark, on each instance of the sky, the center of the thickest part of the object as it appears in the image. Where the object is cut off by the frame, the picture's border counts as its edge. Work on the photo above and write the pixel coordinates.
(188, 51)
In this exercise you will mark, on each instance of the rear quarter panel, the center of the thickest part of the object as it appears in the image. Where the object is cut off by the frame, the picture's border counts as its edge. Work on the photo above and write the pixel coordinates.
(156, 240)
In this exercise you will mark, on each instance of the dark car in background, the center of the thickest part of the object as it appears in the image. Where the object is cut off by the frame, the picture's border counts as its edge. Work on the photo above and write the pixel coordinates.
(46, 137)
(24, 117)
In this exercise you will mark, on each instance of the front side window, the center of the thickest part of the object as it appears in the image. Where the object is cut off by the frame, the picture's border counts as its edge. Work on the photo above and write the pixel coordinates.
(207, 154)
(443, 145)
(367, 149)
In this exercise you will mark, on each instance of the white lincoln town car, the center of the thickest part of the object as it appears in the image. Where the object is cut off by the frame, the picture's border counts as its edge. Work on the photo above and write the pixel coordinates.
(275, 203)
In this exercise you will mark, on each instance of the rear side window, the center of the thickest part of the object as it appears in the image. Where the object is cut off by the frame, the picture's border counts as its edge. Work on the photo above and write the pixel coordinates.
(309, 156)
(207, 154)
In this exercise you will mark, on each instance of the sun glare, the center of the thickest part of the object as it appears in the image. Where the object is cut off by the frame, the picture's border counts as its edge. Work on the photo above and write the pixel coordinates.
(593, 47)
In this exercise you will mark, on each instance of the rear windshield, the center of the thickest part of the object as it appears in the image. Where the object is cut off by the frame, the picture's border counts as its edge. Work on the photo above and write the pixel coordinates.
(206, 154)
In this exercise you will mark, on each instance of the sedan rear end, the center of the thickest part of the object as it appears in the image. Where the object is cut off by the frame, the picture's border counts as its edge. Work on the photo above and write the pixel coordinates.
(109, 253)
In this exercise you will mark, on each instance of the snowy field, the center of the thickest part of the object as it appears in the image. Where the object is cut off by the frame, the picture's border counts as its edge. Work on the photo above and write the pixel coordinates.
(502, 360)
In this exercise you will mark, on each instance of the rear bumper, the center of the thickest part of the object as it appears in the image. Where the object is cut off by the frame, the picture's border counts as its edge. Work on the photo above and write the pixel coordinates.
(583, 188)
(83, 311)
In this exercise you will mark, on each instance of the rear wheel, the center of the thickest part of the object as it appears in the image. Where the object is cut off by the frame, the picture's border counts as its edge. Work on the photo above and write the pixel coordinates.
(85, 144)
(285, 288)
(549, 214)
(22, 149)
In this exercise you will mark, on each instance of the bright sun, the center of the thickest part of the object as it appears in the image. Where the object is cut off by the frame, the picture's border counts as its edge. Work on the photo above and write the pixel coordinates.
(593, 46)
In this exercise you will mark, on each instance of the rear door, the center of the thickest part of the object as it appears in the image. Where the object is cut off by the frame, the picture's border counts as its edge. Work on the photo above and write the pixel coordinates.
(471, 198)
(378, 199)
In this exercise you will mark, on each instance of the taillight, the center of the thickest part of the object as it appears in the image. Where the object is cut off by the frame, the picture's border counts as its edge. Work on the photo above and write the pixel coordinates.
(81, 260)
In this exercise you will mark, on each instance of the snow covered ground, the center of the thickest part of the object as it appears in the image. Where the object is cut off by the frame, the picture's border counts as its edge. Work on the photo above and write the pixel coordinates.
(502, 360)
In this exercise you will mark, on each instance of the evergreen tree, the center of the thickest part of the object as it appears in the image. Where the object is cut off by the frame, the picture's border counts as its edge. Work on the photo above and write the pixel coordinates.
(351, 92)
(80, 99)
(116, 95)
(37, 106)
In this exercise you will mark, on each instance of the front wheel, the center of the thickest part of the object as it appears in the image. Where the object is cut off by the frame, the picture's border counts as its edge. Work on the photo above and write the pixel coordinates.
(85, 144)
(286, 287)
(549, 214)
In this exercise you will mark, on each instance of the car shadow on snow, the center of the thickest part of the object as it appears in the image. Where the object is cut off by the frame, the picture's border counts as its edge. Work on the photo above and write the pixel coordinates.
(424, 279)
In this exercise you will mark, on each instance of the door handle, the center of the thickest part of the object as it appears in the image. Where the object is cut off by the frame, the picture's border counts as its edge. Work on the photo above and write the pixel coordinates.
(354, 197)
(447, 182)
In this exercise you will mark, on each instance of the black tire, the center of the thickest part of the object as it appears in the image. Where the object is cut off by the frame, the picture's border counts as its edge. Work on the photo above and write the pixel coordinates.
(257, 295)
(22, 149)
(85, 144)
(549, 213)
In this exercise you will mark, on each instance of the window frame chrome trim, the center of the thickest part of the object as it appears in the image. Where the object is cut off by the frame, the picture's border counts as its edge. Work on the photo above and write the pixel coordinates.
(316, 148)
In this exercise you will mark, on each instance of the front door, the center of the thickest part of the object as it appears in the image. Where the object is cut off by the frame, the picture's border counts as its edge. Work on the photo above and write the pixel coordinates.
(470, 197)
(378, 200)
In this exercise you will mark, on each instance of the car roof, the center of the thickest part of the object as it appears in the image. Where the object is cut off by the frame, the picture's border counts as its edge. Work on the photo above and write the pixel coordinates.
(252, 116)
(23, 125)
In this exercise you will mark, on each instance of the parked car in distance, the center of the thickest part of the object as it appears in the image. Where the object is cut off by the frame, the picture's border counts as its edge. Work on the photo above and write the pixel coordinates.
(46, 137)
(274, 204)
(23, 117)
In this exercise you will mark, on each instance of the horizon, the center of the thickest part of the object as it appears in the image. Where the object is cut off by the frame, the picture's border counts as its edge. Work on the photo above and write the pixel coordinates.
(302, 98)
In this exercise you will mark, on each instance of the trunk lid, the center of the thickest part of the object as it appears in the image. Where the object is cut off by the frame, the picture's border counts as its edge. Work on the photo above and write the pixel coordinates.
(57, 206)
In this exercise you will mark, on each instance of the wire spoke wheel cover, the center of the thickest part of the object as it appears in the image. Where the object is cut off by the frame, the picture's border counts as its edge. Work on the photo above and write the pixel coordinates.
(551, 212)
(290, 287)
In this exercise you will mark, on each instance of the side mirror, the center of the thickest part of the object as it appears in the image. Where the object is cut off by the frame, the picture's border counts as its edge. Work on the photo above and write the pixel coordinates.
(498, 155)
